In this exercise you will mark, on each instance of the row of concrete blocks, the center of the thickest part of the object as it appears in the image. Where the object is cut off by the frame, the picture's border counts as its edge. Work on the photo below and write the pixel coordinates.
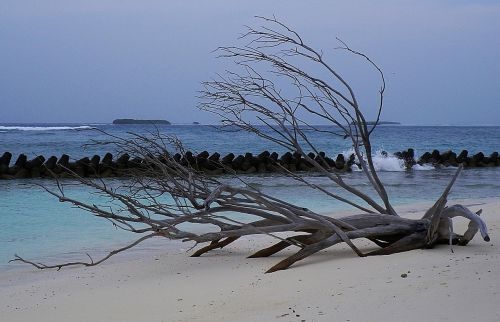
(214, 164)
(450, 158)
(124, 165)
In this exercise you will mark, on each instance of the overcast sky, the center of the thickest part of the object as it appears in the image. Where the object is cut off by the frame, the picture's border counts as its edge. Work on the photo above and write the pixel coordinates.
(96, 60)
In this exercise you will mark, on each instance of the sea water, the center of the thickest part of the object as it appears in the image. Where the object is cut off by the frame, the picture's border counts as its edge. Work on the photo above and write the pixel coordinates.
(35, 225)
(72, 139)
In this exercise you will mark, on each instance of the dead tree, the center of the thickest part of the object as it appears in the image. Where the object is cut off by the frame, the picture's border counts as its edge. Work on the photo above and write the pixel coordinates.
(281, 83)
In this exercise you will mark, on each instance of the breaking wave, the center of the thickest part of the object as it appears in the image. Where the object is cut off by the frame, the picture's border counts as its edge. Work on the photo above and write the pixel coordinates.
(389, 162)
(43, 128)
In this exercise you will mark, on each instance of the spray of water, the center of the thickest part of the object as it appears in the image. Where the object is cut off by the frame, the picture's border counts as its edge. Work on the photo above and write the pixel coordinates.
(388, 162)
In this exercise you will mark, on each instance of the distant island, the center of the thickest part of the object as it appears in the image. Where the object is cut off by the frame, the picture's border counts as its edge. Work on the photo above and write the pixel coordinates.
(379, 123)
(134, 121)
(196, 123)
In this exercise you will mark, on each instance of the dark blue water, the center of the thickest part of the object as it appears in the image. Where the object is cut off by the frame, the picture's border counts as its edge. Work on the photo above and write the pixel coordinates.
(35, 224)
(56, 139)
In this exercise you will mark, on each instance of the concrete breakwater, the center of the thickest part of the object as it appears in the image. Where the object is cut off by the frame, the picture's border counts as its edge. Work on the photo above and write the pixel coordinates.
(215, 164)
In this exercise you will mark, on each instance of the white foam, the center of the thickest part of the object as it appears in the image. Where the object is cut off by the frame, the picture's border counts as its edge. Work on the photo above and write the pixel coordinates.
(423, 167)
(44, 128)
(388, 163)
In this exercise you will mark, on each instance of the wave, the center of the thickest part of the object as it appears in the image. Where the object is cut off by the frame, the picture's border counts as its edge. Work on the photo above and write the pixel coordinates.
(387, 162)
(43, 128)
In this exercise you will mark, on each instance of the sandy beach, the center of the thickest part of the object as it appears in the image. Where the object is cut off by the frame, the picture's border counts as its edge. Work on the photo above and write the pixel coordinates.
(136, 134)
(223, 285)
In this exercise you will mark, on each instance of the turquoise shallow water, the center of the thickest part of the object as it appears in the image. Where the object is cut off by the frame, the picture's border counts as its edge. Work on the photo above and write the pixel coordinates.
(34, 224)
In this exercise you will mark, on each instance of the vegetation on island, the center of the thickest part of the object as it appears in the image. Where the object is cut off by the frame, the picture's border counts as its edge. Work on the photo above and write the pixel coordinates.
(134, 121)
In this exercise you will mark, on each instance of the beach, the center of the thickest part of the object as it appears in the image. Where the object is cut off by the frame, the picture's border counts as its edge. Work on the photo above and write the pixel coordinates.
(333, 285)
(136, 137)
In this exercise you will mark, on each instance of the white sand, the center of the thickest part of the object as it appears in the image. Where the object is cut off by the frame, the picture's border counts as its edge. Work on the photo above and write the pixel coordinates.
(333, 285)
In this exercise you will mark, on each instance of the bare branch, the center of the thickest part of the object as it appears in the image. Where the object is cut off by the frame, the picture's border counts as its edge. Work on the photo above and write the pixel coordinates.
(277, 91)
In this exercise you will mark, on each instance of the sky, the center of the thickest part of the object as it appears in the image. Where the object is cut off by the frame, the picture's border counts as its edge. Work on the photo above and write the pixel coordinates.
(97, 60)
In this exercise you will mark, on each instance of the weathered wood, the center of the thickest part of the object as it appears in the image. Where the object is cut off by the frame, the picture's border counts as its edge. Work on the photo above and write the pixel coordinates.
(169, 190)
(213, 245)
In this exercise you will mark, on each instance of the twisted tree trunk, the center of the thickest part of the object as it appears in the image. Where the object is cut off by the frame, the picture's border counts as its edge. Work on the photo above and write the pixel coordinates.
(164, 193)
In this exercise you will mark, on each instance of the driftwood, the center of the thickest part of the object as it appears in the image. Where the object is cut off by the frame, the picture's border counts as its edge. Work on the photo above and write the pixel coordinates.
(167, 196)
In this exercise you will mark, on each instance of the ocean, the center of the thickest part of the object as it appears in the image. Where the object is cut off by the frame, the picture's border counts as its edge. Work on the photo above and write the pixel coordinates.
(35, 225)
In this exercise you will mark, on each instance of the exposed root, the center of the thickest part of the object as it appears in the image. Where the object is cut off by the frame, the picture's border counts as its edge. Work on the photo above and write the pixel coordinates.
(302, 239)
(213, 245)
(303, 253)
(392, 234)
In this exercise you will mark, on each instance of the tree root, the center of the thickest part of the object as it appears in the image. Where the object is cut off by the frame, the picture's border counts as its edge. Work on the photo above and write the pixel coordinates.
(213, 245)
(392, 234)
